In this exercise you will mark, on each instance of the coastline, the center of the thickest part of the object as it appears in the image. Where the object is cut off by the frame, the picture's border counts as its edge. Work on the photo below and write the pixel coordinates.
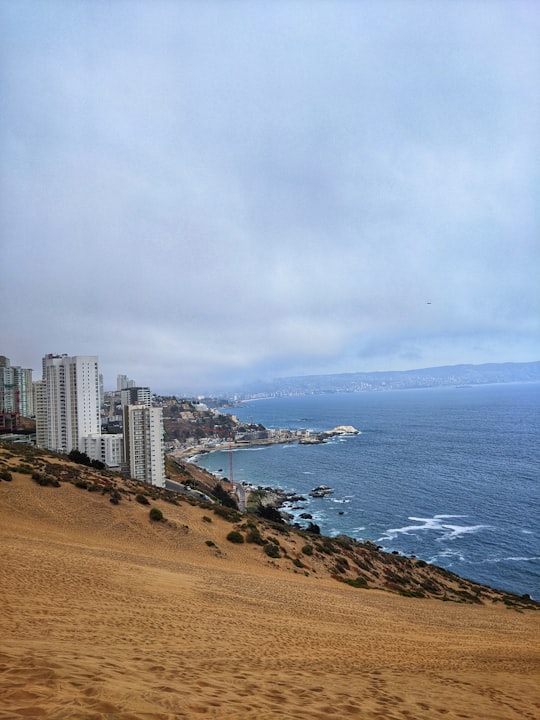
(277, 437)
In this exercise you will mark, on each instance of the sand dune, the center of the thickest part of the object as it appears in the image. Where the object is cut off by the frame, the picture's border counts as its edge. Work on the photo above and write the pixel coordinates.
(108, 615)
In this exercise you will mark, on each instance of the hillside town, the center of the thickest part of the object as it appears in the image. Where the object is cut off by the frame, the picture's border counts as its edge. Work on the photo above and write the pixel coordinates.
(130, 429)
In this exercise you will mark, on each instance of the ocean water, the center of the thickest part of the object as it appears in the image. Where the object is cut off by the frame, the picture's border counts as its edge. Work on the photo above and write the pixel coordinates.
(449, 475)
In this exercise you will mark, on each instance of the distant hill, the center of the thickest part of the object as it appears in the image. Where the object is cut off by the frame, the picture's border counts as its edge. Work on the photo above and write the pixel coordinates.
(445, 376)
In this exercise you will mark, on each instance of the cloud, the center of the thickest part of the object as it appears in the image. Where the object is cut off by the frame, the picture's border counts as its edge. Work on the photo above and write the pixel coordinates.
(202, 193)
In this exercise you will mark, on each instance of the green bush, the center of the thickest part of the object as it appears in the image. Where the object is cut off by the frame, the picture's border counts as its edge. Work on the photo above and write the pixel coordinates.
(268, 512)
(142, 499)
(363, 565)
(227, 513)
(235, 537)
(412, 593)
(254, 536)
(45, 480)
(307, 549)
(6, 475)
(272, 550)
(358, 582)
(211, 543)
(345, 541)
(223, 497)
(207, 519)
(79, 457)
(327, 546)
(156, 514)
(24, 469)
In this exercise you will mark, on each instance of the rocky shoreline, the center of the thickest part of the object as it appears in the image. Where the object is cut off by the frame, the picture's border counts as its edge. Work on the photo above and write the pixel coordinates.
(276, 437)
(266, 496)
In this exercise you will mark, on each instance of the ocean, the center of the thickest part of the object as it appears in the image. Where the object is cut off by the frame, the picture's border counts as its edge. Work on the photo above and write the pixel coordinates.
(449, 475)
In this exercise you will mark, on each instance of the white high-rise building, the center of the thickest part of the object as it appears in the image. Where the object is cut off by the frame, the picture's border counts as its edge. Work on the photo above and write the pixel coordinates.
(40, 410)
(71, 399)
(143, 443)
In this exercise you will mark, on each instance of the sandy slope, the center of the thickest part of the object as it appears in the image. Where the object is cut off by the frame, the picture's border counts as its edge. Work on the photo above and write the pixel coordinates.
(107, 615)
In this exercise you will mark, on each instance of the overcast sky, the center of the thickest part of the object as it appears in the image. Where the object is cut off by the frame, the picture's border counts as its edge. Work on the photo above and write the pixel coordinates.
(202, 193)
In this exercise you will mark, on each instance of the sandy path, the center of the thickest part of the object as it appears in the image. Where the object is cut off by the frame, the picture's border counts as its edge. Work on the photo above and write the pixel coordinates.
(103, 618)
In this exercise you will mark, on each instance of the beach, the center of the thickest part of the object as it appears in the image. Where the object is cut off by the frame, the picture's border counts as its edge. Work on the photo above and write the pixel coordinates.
(108, 615)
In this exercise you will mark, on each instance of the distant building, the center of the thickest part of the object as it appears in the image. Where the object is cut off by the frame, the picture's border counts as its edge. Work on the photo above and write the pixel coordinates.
(123, 382)
(143, 443)
(109, 449)
(16, 398)
(72, 407)
(136, 396)
(40, 410)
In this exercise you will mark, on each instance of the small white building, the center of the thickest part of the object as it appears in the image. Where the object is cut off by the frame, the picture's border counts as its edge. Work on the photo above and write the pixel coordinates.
(109, 449)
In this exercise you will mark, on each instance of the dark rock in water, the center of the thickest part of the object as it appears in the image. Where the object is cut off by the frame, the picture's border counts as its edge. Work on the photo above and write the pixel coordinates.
(306, 516)
(321, 491)
(341, 512)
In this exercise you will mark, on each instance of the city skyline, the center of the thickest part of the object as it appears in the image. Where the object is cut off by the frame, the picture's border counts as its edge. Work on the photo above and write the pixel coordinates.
(68, 400)
(208, 194)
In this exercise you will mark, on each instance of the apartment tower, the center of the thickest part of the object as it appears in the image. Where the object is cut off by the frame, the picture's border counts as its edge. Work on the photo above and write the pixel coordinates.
(71, 408)
(16, 398)
(143, 443)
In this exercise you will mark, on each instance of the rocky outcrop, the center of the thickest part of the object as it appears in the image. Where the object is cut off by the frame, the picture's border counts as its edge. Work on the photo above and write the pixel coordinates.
(318, 438)
(342, 430)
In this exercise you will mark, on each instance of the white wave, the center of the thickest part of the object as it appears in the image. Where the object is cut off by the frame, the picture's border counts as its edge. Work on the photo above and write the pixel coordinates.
(446, 555)
(436, 524)
(339, 502)
(429, 524)
(457, 530)
(319, 516)
(511, 559)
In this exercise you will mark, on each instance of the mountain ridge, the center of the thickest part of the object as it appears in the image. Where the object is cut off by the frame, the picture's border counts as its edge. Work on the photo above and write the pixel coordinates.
(438, 376)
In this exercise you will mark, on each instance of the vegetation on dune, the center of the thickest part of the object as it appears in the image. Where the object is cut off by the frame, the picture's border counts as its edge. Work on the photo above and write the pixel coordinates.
(268, 512)
(155, 514)
(235, 537)
(223, 497)
(357, 564)
(82, 459)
